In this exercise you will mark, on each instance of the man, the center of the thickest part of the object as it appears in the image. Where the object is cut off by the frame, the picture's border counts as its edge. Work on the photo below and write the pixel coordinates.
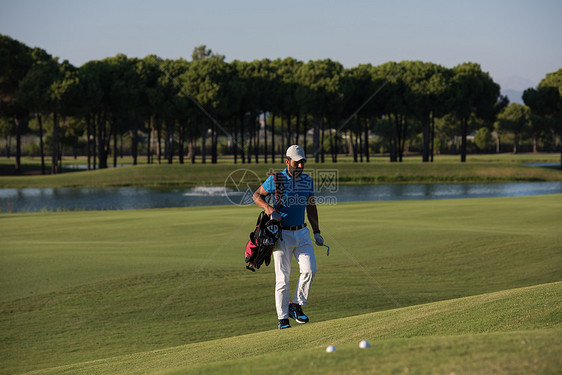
(298, 195)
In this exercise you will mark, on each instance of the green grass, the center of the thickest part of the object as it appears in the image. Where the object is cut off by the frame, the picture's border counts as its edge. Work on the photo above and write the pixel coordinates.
(87, 286)
(446, 169)
(512, 331)
(71, 162)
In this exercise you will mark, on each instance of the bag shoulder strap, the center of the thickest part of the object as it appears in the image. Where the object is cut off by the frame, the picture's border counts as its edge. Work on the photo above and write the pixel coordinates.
(279, 189)
(261, 220)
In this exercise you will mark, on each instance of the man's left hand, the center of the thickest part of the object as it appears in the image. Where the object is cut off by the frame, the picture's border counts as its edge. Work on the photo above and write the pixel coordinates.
(319, 240)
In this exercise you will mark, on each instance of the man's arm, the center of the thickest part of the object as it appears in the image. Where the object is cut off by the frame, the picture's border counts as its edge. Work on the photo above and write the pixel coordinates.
(312, 214)
(259, 199)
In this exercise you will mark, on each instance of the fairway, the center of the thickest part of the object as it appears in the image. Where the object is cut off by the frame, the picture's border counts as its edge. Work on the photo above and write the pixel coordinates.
(452, 285)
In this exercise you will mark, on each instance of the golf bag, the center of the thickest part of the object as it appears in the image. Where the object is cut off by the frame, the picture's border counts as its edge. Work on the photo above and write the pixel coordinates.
(262, 240)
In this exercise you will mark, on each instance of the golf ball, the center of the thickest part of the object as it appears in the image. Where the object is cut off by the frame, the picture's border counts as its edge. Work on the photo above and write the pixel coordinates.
(364, 344)
(330, 349)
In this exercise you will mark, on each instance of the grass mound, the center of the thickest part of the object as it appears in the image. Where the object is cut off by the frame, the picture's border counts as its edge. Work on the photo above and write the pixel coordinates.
(515, 330)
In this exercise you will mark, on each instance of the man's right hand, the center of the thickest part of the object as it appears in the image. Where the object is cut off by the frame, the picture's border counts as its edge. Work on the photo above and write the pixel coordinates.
(269, 210)
(275, 215)
(259, 199)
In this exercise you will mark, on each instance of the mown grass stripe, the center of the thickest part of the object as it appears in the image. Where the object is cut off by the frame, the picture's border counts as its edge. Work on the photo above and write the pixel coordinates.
(530, 309)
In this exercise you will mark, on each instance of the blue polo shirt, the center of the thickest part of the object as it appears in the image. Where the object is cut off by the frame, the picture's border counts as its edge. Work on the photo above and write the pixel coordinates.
(296, 193)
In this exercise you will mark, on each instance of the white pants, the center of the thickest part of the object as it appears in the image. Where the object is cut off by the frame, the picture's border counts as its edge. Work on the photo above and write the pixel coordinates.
(295, 243)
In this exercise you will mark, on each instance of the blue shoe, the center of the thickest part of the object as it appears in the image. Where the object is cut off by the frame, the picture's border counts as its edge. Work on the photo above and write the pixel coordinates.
(295, 312)
(284, 323)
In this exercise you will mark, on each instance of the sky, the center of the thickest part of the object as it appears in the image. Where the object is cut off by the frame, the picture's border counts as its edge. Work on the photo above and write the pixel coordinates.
(517, 41)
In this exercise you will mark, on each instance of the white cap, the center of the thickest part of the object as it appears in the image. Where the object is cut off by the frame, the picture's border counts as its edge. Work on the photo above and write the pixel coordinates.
(296, 153)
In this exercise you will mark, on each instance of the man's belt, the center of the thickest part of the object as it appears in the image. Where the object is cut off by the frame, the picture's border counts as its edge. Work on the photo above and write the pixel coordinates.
(295, 227)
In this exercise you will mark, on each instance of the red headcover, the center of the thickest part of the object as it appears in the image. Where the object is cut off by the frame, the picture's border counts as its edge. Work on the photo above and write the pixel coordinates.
(250, 250)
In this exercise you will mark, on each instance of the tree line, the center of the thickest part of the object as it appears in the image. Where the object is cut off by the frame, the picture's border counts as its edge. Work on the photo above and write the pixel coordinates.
(179, 108)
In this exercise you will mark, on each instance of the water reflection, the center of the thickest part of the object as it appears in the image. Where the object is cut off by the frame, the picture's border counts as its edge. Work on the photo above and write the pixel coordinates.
(444, 191)
(69, 199)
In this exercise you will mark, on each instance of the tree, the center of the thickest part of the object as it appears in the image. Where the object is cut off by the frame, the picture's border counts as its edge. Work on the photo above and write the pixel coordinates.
(483, 139)
(202, 53)
(89, 99)
(288, 95)
(474, 92)
(206, 82)
(151, 97)
(34, 91)
(358, 87)
(320, 94)
(6, 132)
(546, 102)
(355, 89)
(395, 92)
(266, 92)
(426, 94)
(62, 96)
(15, 62)
(176, 107)
(171, 109)
(539, 127)
(174, 99)
(515, 119)
(246, 74)
(123, 96)
(106, 78)
(44, 88)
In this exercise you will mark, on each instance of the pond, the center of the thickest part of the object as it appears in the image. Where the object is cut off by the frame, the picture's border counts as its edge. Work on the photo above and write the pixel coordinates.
(77, 199)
